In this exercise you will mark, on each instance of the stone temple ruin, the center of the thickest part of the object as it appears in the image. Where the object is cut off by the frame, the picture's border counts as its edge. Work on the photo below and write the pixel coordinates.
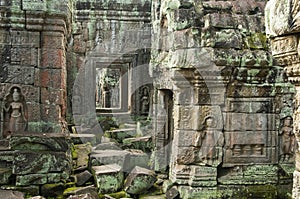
(149, 99)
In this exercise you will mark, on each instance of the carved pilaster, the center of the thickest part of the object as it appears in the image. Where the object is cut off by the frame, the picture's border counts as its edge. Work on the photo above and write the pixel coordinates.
(282, 24)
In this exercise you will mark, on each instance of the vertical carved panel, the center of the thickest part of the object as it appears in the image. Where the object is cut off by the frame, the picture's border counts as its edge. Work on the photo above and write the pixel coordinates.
(14, 113)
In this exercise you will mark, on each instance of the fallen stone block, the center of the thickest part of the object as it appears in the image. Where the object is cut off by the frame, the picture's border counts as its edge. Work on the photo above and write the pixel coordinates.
(107, 146)
(80, 191)
(81, 154)
(139, 180)
(136, 158)
(173, 193)
(108, 178)
(32, 190)
(120, 134)
(142, 143)
(104, 157)
(82, 177)
(52, 190)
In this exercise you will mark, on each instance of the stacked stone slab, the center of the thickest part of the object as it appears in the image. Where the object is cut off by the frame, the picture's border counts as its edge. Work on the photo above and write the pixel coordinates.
(221, 102)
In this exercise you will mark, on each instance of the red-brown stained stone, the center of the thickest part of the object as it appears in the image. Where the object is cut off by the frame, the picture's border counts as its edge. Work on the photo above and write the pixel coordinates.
(52, 40)
(53, 58)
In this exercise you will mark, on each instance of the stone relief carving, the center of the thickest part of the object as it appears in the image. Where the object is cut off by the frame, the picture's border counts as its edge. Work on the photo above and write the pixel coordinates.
(282, 17)
(210, 142)
(14, 112)
(287, 140)
(108, 88)
(145, 100)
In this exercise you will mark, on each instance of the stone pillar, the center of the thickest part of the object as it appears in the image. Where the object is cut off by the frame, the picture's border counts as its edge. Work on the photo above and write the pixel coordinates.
(35, 147)
(283, 28)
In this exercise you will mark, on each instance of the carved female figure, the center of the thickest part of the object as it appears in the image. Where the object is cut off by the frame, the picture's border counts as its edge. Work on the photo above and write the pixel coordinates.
(288, 139)
(15, 112)
(145, 101)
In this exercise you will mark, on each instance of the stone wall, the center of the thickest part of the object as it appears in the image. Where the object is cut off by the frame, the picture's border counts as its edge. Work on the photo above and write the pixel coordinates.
(115, 35)
(231, 103)
(34, 148)
(220, 106)
(282, 25)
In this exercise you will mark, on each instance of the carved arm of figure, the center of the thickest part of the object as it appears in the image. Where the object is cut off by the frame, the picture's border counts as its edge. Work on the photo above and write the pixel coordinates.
(199, 138)
(6, 109)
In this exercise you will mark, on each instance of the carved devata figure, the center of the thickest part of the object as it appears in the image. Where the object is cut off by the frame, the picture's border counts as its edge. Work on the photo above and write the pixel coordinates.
(145, 100)
(210, 141)
(14, 112)
(287, 140)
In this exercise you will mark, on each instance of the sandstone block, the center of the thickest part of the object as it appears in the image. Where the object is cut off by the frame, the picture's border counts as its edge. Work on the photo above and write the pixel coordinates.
(31, 179)
(108, 178)
(82, 177)
(73, 193)
(81, 154)
(139, 180)
(121, 134)
(40, 162)
(136, 158)
(5, 175)
(109, 157)
(39, 143)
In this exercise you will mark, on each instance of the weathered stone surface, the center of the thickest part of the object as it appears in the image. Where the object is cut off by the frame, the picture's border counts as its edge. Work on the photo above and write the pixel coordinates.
(260, 174)
(11, 194)
(108, 178)
(136, 158)
(281, 17)
(32, 179)
(173, 193)
(202, 176)
(50, 142)
(142, 143)
(81, 196)
(53, 190)
(109, 157)
(75, 192)
(81, 154)
(41, 162)
(32, 190)
(139, 180)
(82, 177)
(107, 146)
(37, 197)
(5, 174)
(121, 134)
(83, 138)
